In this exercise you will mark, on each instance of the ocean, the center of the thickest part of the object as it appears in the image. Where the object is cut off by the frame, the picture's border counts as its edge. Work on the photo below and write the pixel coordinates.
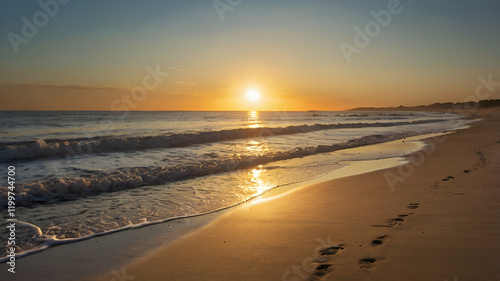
(81, 174)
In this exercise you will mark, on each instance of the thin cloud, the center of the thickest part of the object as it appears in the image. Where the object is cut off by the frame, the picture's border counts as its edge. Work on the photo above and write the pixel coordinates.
(185, 83)
(66, 87)
(194, 94)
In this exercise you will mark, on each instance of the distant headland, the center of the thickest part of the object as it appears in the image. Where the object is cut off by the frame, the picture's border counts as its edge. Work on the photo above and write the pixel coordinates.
(436, 106)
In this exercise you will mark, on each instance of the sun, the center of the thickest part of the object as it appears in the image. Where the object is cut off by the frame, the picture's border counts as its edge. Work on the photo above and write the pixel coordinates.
(253, 94)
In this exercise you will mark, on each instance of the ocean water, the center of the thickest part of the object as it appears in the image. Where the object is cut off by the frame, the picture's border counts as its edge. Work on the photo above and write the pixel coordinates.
(80, 174)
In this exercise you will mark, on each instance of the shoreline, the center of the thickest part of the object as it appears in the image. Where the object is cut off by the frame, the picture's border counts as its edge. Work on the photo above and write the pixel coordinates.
(284, 239)
(189, 227)
(187, 224)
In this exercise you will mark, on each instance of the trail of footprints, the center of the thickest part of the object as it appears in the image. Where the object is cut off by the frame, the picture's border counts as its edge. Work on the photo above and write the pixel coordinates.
(367, 263)
(398, 220)
(322, 263)
(448, 178)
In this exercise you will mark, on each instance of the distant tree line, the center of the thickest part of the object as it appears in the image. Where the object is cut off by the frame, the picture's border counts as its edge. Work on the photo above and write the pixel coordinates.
(437, 106)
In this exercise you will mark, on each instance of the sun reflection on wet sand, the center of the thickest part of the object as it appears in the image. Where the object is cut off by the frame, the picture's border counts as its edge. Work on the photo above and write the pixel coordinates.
(257, 184)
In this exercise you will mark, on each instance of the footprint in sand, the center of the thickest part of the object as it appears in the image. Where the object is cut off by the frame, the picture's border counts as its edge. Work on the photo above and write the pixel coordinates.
(379, 241)
(448, 178)
(395, 221)
(321, 270)
(322, 265)
(390, 222)
(330, 251)
(413, 206)
(366, 262)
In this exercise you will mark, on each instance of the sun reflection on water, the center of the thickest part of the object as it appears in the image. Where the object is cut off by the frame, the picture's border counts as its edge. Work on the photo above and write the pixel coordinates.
(256, 147)
(254, 120)
(254, 182)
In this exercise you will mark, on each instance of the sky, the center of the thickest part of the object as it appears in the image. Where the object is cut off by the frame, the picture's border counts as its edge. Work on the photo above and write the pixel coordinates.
(208, 55)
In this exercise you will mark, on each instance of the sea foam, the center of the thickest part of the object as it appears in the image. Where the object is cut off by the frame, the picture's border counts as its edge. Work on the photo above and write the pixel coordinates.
(54, 148)
(73, 188)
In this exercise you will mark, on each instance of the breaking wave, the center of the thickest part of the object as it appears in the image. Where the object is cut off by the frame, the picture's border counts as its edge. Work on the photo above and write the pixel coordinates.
(54, 148)
(74, 188)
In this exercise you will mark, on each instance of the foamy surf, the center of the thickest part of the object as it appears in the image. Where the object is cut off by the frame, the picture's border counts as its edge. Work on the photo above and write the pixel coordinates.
(195, 163)
(52, 148)
(73, 188)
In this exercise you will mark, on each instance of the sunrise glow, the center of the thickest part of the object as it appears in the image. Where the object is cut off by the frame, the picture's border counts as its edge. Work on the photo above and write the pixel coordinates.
(253, 95)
